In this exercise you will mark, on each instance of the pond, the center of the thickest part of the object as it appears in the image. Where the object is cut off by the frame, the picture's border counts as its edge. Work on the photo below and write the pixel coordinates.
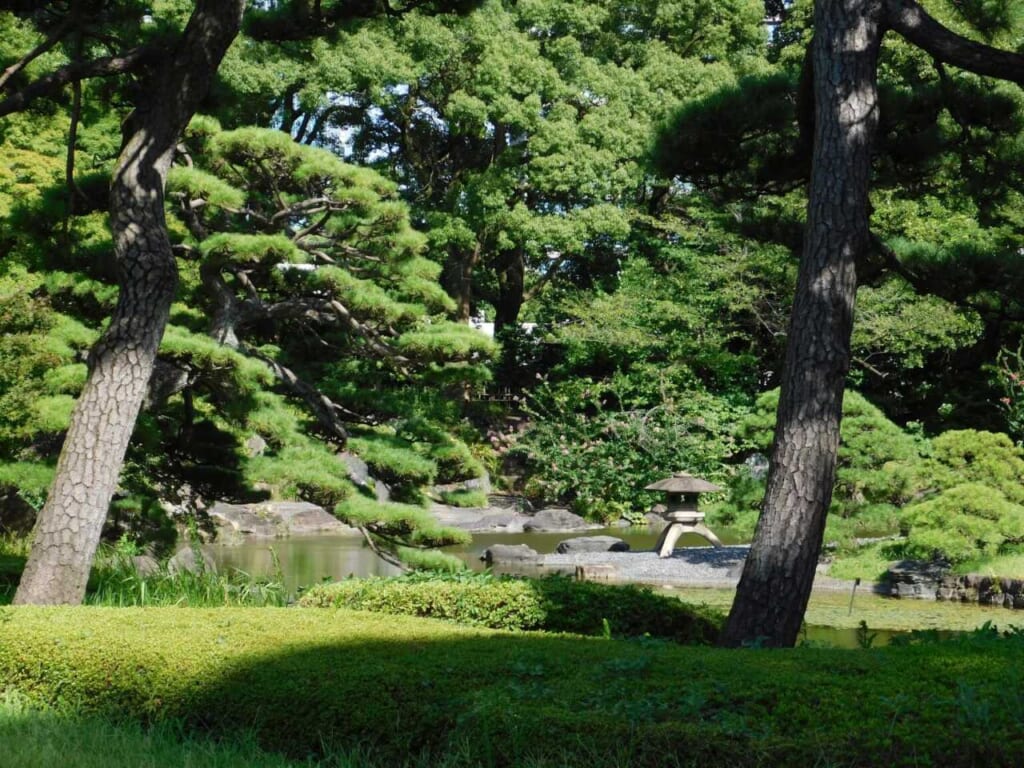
(301, 561)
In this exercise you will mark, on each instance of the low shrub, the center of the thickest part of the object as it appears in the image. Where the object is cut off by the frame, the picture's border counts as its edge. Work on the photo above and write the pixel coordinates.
(966, 522)
(313, 682)
(555, 604)
(464, 498)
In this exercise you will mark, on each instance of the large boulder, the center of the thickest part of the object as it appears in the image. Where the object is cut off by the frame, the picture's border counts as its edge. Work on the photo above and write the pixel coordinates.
(480, 519)
(557, 519)
(243, 520)
(508, 501)
(482, 484)
(191, 560)
(914, 579)
(358, 470)
(510, 554)
(274, 519)
(591, 544)
(145, 565)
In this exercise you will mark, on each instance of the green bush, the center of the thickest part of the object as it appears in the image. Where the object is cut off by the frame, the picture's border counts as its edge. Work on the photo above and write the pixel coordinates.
(878, 470)
(309, 682)
(555, 604)
(581, 452)
(963, 523)
(464, 498)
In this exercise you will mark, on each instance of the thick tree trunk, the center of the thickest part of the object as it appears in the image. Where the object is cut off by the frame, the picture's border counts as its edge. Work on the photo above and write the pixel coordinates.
(68, 530)
(779, 572)
(511, 289)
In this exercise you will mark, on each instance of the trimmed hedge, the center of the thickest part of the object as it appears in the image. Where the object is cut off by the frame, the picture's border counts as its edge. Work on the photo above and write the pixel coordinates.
(554, 604)
(394, 686)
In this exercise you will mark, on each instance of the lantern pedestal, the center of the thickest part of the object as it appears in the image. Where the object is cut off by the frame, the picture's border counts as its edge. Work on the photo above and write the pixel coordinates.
(676, 528)
(682, 490)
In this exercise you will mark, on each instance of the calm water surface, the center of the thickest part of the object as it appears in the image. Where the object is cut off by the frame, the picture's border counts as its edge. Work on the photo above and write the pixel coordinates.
(305, 560)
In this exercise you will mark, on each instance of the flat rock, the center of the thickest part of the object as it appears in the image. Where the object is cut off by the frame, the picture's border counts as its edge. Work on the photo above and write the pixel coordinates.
(913, 579)
(274, 519)
(557, 519)
(480, 519)
(591, 544)
(503, 554)
(188, 560)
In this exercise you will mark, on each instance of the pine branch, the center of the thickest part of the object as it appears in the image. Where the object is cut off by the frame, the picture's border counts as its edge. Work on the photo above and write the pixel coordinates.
(327, 412)
(911, 21)
(50, 84)
(55, 37)
(387, 557)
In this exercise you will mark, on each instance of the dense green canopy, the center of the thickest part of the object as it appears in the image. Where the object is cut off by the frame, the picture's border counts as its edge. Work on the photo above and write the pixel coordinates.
(629, 178)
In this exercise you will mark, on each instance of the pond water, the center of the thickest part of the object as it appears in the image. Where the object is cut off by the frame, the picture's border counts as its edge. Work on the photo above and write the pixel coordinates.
(302, 561)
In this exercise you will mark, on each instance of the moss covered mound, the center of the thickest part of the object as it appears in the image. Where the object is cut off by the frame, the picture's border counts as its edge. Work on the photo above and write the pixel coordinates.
(554, 604)
(398, 686)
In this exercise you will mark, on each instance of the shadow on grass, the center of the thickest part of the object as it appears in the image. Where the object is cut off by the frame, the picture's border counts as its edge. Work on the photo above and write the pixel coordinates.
(554, 701)
(408, 692)
(11, 567)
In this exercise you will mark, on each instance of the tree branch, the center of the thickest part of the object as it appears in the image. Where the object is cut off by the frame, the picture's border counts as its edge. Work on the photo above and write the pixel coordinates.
(911, 21)
(327, 412)
(387, 557)
(50, 84)
(39, 50)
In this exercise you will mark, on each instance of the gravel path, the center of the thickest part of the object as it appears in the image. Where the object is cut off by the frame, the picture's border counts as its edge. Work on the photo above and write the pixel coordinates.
(702, 567)
(689, 566)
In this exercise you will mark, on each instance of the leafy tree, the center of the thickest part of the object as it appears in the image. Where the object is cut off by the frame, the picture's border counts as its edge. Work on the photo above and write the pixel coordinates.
(777, 577)
(297, 254)
(974, 508)
(598, 458)
(175, 55)
(880, 469)
(120, 364)
(515, 132)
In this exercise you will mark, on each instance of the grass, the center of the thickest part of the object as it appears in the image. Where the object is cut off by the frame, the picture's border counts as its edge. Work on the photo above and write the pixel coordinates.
(832, 609)
(869, 562)
(340, 683)
(115, 582)
(45, 738)
(1010, 566)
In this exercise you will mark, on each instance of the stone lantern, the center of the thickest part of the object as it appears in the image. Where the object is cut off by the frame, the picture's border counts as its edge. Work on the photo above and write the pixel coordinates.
(680, 510)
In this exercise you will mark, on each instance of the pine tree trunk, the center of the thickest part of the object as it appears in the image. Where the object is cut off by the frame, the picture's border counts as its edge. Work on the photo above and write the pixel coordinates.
(69, 525)
(511, 289)
(779, 572)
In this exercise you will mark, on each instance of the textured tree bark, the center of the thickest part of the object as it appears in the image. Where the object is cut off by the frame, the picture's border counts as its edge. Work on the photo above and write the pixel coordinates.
(69, 525)
(511, 288)
(779, 572)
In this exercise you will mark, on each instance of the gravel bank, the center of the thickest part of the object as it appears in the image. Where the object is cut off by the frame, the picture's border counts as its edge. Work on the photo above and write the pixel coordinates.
(689, 566)
(702, 567)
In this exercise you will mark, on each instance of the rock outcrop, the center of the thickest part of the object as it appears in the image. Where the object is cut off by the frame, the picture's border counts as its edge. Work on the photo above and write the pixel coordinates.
(275, 519)
(556, 520)
(510, 554)
(591, 544)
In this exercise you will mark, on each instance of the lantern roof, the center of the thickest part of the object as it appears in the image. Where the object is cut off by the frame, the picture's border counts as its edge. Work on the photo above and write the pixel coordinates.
(683, 482)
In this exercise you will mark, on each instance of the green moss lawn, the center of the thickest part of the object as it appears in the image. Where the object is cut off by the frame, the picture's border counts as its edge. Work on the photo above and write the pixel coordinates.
(408, 691)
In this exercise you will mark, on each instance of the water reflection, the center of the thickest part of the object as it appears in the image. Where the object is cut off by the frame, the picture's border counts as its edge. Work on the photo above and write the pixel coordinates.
(305, 560)
(302, 560)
